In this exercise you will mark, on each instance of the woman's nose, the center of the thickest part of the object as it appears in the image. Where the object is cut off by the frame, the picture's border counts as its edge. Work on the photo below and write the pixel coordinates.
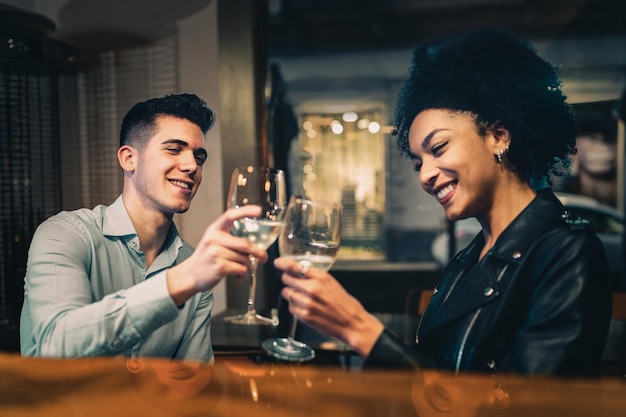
(428, 175)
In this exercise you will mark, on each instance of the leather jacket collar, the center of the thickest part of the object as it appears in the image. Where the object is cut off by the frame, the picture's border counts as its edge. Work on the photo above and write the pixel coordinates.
(457, 295)
(517, 238)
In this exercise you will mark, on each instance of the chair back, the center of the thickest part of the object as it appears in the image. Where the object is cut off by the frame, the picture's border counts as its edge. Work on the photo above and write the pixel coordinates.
(619, 306)
(425, 296)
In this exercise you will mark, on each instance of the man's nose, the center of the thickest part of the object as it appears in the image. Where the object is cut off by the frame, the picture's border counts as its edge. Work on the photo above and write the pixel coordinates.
(189, 163)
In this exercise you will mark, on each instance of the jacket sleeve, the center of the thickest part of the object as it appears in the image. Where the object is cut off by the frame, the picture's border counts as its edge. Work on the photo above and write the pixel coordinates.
(569, 309)
(391, 352)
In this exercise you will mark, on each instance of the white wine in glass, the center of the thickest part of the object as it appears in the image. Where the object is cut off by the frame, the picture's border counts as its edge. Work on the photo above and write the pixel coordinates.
(264, 187)
(311, 235)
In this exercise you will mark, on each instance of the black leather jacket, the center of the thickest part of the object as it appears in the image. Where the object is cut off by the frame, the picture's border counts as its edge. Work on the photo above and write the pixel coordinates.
(539, 302)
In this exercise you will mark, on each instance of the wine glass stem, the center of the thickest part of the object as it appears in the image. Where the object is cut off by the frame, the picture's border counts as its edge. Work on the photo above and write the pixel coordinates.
(292, 330)
(253, 267)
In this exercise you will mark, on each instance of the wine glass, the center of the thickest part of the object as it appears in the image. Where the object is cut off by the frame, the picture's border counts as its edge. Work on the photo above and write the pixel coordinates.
(264, 187)
(311, 235)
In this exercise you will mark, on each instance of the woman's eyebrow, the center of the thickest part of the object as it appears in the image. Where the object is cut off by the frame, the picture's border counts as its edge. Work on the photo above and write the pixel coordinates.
(426, 141)
(430, 136)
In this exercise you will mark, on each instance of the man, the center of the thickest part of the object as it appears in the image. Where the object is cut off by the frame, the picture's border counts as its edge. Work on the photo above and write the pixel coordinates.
(119, 279)
(595, 162)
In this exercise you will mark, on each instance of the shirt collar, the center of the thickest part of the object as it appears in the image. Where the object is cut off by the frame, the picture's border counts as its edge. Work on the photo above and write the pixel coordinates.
(117, 221)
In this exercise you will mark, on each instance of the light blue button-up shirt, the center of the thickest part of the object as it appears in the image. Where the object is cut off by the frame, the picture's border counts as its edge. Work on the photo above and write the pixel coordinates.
(88, 292)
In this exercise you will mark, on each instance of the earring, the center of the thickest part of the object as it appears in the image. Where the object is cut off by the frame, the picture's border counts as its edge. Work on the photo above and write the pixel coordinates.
(500, 153)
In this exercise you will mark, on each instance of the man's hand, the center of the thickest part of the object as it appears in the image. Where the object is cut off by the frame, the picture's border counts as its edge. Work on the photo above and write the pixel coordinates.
(218, 254)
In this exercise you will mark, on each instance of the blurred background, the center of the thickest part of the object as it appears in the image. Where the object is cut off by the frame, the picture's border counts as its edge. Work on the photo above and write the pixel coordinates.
(308, 86)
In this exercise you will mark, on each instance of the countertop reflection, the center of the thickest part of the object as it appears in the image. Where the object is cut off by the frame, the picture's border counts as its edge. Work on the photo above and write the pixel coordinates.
(239, 386)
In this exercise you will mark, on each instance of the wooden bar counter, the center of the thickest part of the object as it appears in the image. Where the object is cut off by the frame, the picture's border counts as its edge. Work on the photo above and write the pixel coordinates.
(237, 386)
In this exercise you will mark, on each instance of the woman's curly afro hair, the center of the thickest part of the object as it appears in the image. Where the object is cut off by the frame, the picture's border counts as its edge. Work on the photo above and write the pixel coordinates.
(502, 81)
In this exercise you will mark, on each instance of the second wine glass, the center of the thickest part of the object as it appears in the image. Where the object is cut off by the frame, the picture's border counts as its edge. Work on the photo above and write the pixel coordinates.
(311, 235)
(264, 187)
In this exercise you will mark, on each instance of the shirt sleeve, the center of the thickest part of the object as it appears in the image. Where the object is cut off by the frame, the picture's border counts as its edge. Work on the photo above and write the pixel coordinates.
(196, 342)
(60, 317)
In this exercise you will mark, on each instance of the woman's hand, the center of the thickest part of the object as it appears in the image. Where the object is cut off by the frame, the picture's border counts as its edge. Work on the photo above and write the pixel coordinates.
(319, 301)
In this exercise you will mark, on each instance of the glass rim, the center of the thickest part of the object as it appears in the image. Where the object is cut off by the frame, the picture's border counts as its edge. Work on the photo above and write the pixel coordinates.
(257, 168)
(316, 202)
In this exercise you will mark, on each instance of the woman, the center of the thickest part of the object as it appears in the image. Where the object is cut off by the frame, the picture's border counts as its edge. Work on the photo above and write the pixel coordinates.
(481, 116)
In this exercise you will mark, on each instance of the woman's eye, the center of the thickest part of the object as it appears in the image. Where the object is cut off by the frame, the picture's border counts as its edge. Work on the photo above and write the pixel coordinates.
(200, 160)
(435, 150)
(417, 166)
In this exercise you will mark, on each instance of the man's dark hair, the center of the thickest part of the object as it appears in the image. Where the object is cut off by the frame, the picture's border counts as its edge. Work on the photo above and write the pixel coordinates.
(140, 121)
(503, 82)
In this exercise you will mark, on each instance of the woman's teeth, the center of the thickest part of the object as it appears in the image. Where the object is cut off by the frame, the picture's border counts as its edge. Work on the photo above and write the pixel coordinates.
(445, 191)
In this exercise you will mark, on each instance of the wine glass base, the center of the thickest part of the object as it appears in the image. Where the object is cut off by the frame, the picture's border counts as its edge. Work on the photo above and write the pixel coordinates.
(288, 349)
(251, 319)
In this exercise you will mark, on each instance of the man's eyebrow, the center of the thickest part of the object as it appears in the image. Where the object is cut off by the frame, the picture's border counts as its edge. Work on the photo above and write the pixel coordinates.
(199, 152)
(175, 141)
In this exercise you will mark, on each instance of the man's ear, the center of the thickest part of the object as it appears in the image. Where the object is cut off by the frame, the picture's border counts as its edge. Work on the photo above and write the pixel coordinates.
(126, 155)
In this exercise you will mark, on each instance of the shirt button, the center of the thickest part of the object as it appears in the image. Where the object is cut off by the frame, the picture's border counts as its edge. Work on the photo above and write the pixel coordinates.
(517, 255)
(491, 364)
(488, 291)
